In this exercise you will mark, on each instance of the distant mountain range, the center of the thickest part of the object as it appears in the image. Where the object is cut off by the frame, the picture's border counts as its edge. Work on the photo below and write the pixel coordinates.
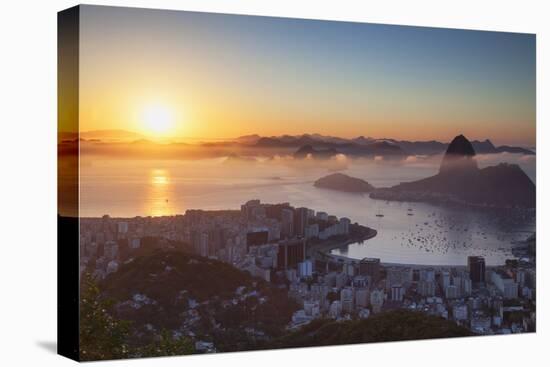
(461, 181)
(359, 145)
(122, 142)
(368, 146)
(103, 135)
(327, 150)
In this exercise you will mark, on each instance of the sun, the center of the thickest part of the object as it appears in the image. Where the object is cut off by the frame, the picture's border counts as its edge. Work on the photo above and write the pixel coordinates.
(158, 119)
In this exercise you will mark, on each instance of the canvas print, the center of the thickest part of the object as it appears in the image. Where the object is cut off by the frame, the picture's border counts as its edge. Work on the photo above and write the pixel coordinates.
(234, 183)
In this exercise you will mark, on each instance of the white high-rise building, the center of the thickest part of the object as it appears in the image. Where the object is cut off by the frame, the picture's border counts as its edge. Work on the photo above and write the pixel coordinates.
(341, 279)
(466, 286)
(349, 269)
(398, 276)
(460, 312)
(322, 216)
(377, 300)
(110, 250)
(445, 279)
(305, 269)
(426, 288)
(427, 275)
(135, 243)
(506, 285)
(312, 231)
(345, 222)
(521, 277)
(362, 297)
(123, 227)
(346, 298)
(397, 293)
(335, 309)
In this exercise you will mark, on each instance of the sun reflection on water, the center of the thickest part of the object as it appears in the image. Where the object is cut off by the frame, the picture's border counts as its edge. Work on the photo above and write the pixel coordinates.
(161, 194)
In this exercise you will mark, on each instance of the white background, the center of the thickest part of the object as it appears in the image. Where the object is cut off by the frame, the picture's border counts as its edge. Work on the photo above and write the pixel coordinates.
(28, 181)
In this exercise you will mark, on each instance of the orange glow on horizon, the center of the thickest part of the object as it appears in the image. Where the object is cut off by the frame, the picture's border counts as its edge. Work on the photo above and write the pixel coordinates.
(185, 76)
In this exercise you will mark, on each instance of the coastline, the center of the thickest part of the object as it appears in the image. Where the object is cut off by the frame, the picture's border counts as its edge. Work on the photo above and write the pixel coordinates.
(328, 245)
(438, 199)
(324, 249)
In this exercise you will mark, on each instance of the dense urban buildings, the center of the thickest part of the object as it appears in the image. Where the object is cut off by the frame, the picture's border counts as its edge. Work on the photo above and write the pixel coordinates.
(282, 245)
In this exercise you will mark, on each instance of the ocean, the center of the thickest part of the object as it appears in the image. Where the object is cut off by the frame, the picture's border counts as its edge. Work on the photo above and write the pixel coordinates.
(411, 233)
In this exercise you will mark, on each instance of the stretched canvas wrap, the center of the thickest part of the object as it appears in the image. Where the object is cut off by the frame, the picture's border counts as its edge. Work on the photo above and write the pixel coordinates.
(233, 183)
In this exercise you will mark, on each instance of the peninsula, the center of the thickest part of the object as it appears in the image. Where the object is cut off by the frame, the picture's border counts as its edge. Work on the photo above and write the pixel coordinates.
(342, 182)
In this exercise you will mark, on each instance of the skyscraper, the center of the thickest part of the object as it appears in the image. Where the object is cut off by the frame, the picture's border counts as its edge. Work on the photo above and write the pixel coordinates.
(256, 238)
(476, 267)
(300, 221)
(287, 223)
(370, 267)
(290, 253)
(252, 210)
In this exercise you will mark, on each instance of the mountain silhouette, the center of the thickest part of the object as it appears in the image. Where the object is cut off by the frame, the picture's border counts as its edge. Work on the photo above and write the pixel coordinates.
(484, 147)
(461, 181)
(379, 148)
(362, 145)
(459, 156)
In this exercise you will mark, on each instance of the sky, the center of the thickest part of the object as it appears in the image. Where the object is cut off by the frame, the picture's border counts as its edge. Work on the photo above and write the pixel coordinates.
(211, 76)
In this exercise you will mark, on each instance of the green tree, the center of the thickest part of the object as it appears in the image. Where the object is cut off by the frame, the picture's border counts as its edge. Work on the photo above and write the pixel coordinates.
(102, 336)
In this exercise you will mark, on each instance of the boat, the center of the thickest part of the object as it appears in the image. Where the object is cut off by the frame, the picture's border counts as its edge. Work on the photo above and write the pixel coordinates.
(379, 213)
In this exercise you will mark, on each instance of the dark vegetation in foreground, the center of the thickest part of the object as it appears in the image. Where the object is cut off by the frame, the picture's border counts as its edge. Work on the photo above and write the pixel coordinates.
(396, 325)
(103, 336)
(179, 295)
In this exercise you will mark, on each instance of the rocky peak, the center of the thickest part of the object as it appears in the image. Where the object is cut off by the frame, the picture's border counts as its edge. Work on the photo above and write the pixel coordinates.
(459, 156)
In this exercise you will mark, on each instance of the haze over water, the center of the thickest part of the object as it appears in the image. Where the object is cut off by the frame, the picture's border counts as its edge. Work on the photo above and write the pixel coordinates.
(432, 235)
